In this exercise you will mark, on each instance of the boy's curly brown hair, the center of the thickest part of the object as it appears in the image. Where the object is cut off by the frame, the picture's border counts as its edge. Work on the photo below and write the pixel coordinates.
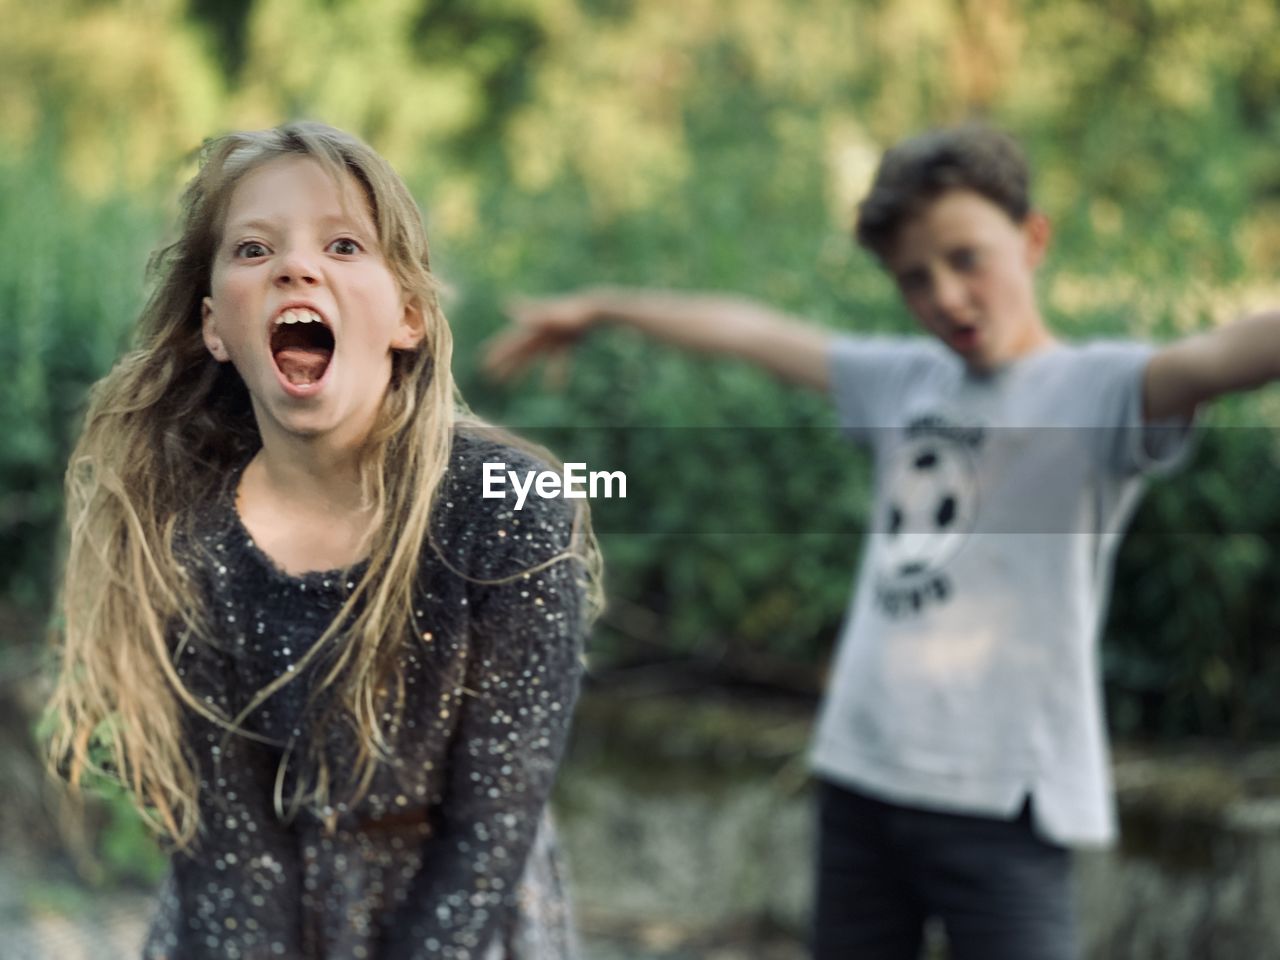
(918, 170)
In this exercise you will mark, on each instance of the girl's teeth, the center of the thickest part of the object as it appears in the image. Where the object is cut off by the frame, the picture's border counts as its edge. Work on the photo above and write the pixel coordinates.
(299, 316)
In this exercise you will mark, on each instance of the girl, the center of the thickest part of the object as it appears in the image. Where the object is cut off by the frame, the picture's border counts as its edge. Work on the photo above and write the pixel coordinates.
(336, 677)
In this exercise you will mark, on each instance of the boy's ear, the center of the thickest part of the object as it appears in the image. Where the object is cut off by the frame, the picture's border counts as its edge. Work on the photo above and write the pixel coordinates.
(1038, 231)
(209, 331)
(412, 326)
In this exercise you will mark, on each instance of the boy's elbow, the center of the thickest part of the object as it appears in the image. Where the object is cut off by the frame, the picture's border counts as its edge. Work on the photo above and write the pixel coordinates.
(1251, 345)
(800, 357)
(1271, 320)
(1235, 358)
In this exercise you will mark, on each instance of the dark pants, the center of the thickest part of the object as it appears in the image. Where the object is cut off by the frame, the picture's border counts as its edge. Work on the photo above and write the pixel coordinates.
(1000, 891)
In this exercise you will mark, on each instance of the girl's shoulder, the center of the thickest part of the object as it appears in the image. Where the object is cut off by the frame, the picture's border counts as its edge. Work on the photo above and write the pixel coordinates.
(476, 445)
(483, 521)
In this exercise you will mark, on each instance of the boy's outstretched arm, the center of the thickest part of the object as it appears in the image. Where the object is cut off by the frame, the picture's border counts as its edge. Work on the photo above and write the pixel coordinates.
(717, 324)
(1240, 355)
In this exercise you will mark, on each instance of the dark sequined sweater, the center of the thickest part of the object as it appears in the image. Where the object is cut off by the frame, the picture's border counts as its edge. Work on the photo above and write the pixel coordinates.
(448, 856)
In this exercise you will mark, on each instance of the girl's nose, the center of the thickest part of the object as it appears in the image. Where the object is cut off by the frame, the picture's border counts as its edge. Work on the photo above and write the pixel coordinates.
(296, 268)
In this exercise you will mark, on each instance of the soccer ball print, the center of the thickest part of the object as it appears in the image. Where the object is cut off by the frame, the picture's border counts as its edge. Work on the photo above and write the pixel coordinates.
(929, 510)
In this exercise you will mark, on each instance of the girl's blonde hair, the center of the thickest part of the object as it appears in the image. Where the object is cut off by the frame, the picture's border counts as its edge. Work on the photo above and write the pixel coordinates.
(164, 429)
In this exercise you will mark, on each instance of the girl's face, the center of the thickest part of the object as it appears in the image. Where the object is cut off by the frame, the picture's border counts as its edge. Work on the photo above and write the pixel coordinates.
(304, 305)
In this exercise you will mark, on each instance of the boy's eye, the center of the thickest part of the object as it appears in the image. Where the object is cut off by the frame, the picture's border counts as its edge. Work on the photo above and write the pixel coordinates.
(345, 246)
(964, 259)
(250, 249)
(913, 281)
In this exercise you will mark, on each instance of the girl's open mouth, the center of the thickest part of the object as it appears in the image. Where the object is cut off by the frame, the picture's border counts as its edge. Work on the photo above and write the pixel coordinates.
(301, 346)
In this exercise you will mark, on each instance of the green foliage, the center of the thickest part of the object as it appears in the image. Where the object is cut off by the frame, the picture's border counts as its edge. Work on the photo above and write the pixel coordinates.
(1191, 641)
(765, 572)
(128, 850)
(68, 296)
(122, 848)
(713, 144)
(1149, 244)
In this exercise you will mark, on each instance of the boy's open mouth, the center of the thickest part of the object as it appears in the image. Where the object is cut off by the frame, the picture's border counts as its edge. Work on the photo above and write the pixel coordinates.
(301, 345)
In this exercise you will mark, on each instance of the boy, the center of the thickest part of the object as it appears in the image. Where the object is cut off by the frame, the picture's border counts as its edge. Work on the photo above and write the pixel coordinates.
(961, 747)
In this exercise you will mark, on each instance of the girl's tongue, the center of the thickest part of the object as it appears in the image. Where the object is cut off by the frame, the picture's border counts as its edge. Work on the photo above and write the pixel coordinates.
(301, 364)
(302, 351)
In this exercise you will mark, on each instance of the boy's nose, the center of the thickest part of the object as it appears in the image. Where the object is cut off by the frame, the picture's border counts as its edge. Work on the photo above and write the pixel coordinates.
(949, 293)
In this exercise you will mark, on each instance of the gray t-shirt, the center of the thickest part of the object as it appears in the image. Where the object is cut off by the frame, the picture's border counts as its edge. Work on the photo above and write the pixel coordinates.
(967, 674)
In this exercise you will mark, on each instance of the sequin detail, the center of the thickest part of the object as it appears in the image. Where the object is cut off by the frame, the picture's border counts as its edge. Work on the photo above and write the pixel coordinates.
(450, 855)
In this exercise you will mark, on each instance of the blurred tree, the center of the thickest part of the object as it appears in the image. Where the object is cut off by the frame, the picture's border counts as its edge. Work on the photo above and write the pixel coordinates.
(68, 296)
(700, 143)
(124, 89)
(498, 41)
(227, 21)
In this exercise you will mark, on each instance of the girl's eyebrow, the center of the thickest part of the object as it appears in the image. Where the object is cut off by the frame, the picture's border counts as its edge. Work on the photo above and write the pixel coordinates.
(332, 221)
(249, 226)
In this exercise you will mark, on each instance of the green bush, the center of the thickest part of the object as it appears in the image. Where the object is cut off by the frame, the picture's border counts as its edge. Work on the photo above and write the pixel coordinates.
(1149, 180)
(598, 144)
(69, 291)
(1188, 645)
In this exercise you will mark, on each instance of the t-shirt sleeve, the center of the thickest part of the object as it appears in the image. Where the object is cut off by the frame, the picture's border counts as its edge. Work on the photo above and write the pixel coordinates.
(868, 379)
(522, 678)
(1127, 443)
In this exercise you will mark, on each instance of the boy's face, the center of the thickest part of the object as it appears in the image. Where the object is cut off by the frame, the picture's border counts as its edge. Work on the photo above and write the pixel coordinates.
(303, 303)
(966, 271)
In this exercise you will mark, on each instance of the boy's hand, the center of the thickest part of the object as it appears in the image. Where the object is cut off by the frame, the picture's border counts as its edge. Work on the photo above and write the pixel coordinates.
(716, 324)
(545, 327)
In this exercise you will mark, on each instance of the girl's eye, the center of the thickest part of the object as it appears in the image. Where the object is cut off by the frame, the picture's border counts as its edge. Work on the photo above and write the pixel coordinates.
(250, 249)
(345, 246)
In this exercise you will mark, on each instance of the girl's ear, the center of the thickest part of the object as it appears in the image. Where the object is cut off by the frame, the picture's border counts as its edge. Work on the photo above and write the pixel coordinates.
(209, 331)
(412, 327)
